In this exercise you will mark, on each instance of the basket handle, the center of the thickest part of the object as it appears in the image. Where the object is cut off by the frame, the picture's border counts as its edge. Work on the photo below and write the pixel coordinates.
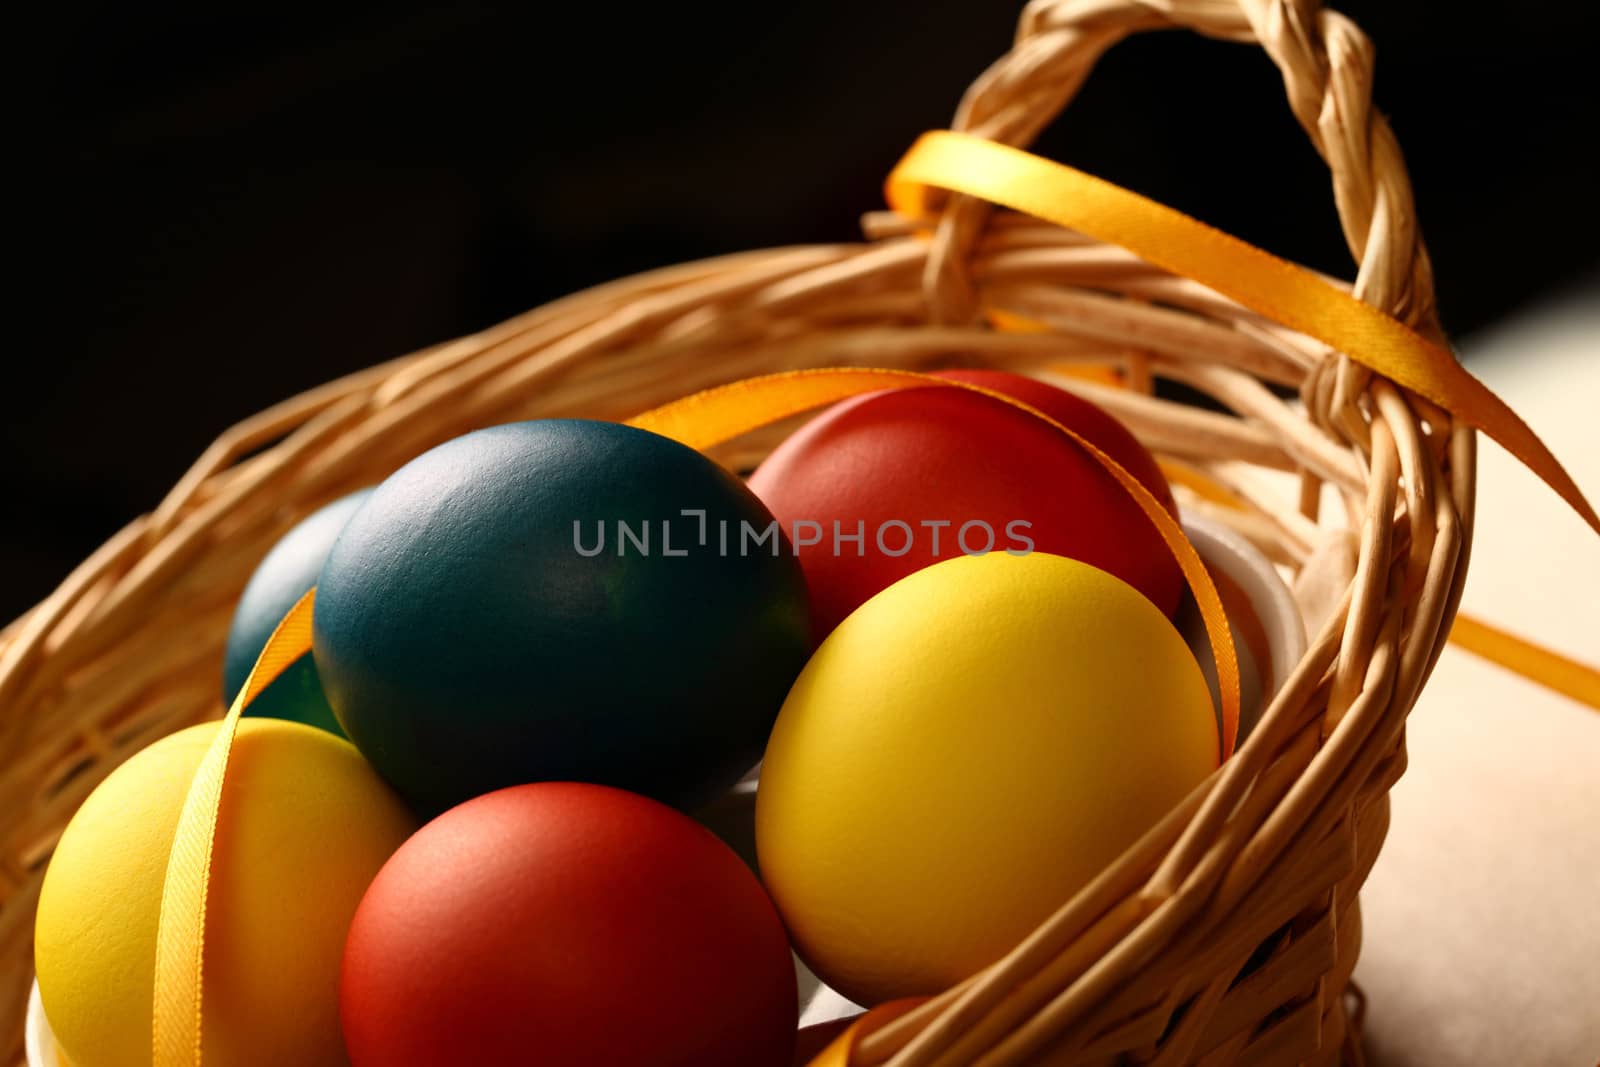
(1326, 63)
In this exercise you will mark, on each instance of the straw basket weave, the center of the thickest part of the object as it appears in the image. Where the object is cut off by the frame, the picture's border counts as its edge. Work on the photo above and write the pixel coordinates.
(1228, 934)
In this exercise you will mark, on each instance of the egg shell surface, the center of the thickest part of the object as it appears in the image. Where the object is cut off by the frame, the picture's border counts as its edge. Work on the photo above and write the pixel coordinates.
(474, 631)
(966, 751)
(304, 826)
(567, 924)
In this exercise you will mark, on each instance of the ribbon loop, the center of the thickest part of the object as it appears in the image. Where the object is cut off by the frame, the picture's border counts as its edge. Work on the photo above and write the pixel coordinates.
(1282, 291)
(176, 1032)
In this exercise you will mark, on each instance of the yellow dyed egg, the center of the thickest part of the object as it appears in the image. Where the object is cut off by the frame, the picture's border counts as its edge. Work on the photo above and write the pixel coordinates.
(968, 749)
(305, 825)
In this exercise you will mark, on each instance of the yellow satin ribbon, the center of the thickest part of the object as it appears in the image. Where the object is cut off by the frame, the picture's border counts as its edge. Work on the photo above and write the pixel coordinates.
(181, 936)
(1282, 291)
(1550, 669)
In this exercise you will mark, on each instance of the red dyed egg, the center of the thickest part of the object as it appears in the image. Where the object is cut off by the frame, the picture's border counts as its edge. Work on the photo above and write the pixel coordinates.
(925, 474)
(561, 923)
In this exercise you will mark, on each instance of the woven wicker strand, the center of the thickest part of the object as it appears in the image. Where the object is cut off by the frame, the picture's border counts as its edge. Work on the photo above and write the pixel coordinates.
(1229, 932)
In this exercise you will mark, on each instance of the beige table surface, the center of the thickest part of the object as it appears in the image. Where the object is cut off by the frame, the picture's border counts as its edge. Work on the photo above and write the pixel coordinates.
(1482, 917)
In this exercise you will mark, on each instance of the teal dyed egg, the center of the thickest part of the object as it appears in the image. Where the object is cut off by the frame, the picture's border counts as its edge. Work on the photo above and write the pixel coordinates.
(560, 600)
(280, 580)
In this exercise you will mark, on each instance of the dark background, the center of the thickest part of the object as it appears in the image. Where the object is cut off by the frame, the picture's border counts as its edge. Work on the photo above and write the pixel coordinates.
(234, 205)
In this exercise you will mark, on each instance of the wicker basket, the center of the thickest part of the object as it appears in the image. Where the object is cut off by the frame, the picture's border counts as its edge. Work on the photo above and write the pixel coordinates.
(1230, 932)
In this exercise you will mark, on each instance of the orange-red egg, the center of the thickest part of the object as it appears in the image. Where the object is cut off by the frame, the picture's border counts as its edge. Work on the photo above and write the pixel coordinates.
(883, 485)
(564, 924)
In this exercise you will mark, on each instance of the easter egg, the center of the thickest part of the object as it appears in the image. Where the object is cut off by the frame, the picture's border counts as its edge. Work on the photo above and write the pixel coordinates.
(562, 923)
(966, 751)
(880, 486)
(279, 581)
(304, 826)
(560, 600)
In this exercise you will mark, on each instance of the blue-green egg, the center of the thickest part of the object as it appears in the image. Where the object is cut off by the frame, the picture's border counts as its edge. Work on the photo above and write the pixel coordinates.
(279, 581)
(560, 600)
